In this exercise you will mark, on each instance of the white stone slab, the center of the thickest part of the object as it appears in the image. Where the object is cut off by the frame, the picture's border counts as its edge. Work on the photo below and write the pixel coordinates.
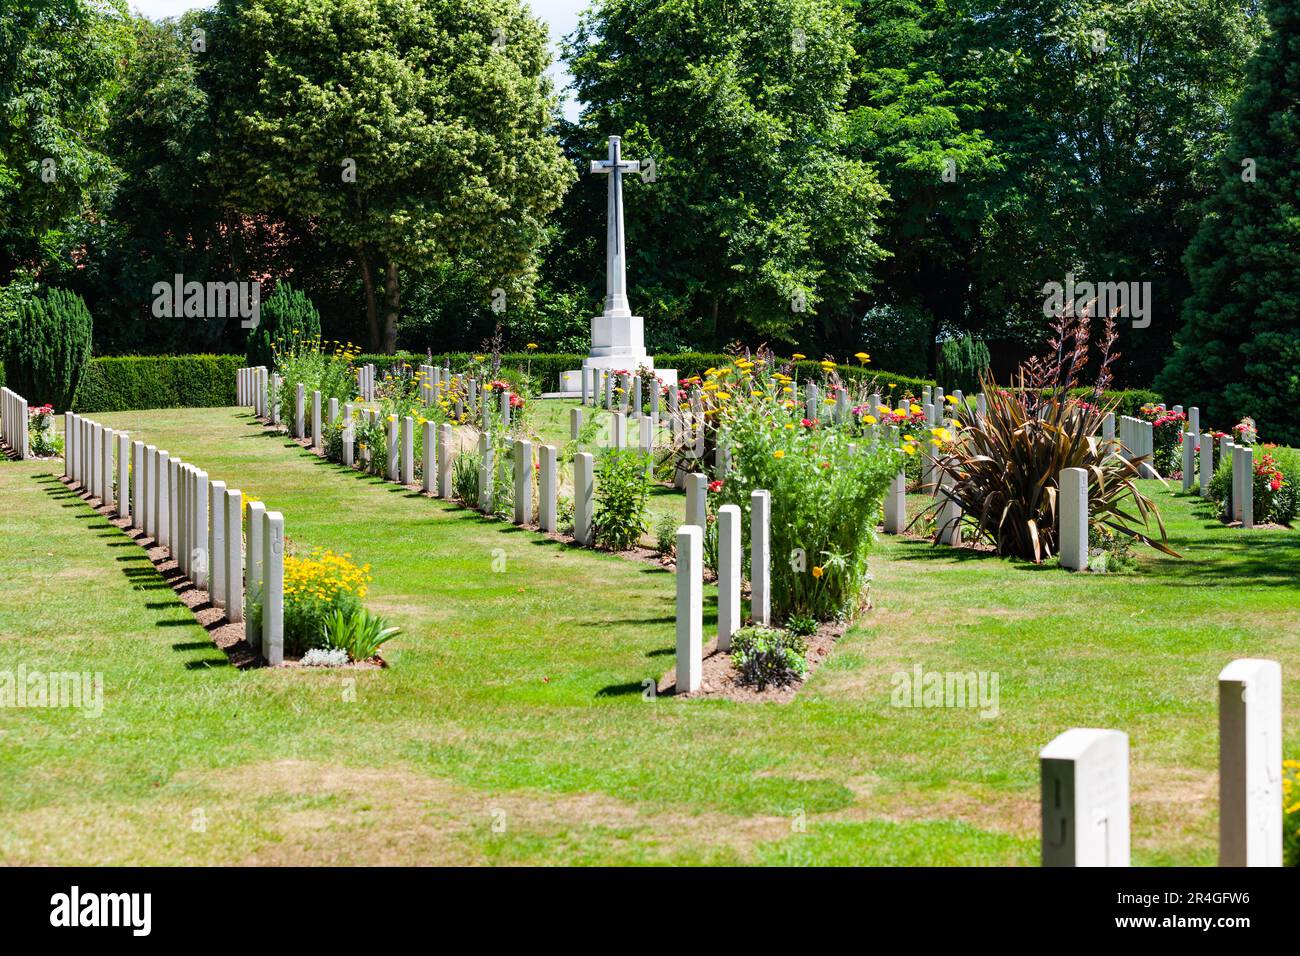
(1250, 763)
(1085, 799)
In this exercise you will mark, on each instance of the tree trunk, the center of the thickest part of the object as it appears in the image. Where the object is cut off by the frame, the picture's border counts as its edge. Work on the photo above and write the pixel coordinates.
(392, 301)
(372, 313)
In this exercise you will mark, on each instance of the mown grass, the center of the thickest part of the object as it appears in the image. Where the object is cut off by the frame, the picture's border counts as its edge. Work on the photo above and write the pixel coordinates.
(512, 727)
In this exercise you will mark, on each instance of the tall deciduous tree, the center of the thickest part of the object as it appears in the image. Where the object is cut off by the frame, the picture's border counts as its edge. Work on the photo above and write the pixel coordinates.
(1239, 349)
(414, 132)
(1083, 136)
(756, 219)
(57, 72)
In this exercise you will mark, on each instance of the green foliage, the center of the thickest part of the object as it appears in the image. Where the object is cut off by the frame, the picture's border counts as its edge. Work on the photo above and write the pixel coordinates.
(1238, 353)
(666, 534)
(356, 631)
(961, 363)
(289, 322)
(464, 478)
(455, 159)
(622, 490)
(125, 383)
(765, 655)
(58, 70)
(331, 373)
(48, 347)
(805, 625)
(1279, 505)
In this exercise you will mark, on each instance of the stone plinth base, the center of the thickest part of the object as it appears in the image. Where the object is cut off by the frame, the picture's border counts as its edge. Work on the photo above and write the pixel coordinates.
(571, 381)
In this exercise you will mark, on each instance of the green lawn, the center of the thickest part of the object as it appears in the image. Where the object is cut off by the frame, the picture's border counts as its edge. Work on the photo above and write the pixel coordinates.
(511, 726)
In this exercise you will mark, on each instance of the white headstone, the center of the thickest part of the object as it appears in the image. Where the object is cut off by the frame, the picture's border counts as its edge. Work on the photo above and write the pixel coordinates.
(1250, 763)
(273, 588)
(408, 450)
(1072, 513)
(523, 461)
(697, 490)
(217, 543)
(690, 607)
(254, 529)
(896, 503)
(760, 556)
(583, 498)
(1085, 799)
(1189, 460)
(547, 487)
(234, 557)
(429, 480)
(1206, 463)
(137, 484)
(730, 558)
(444, 462)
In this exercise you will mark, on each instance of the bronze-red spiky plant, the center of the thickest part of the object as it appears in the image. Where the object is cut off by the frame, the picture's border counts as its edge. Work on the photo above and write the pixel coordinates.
(1001, 468)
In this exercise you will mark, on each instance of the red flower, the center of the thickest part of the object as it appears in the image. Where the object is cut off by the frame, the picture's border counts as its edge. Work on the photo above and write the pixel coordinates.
(715, 486)
(808, 422)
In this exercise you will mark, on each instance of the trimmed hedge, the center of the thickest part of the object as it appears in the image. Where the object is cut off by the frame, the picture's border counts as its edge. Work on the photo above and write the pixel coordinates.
(547, 367)
(129, 382)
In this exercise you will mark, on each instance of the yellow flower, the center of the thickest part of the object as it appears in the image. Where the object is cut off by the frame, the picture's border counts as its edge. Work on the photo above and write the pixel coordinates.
(915, 409)
(869, 419)
(909, 449)
(798, 355)
(778, 454)
(862, 357)
(951, 400)
(790, 425)
(531, 345)
(818, 571)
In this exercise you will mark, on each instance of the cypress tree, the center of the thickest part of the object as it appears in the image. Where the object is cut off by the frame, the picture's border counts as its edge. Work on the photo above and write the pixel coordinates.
(288, 320)
(1238, 353)
(48, 348)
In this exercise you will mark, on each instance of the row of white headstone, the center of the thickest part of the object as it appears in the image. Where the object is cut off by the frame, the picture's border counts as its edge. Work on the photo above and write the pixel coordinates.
(690, 576)
(13, 423)
(200, 523)
(1085, 780)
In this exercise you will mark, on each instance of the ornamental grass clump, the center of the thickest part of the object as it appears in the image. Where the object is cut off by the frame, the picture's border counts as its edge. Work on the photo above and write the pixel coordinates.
(1002, 468)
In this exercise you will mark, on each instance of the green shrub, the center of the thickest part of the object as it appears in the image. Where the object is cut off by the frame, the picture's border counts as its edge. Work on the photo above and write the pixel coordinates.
(288, 321)
(356, 631)
(765, 655)
(1276, 505)
(132, 382)
(48, 347)
(666, 534)
(622, 490)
